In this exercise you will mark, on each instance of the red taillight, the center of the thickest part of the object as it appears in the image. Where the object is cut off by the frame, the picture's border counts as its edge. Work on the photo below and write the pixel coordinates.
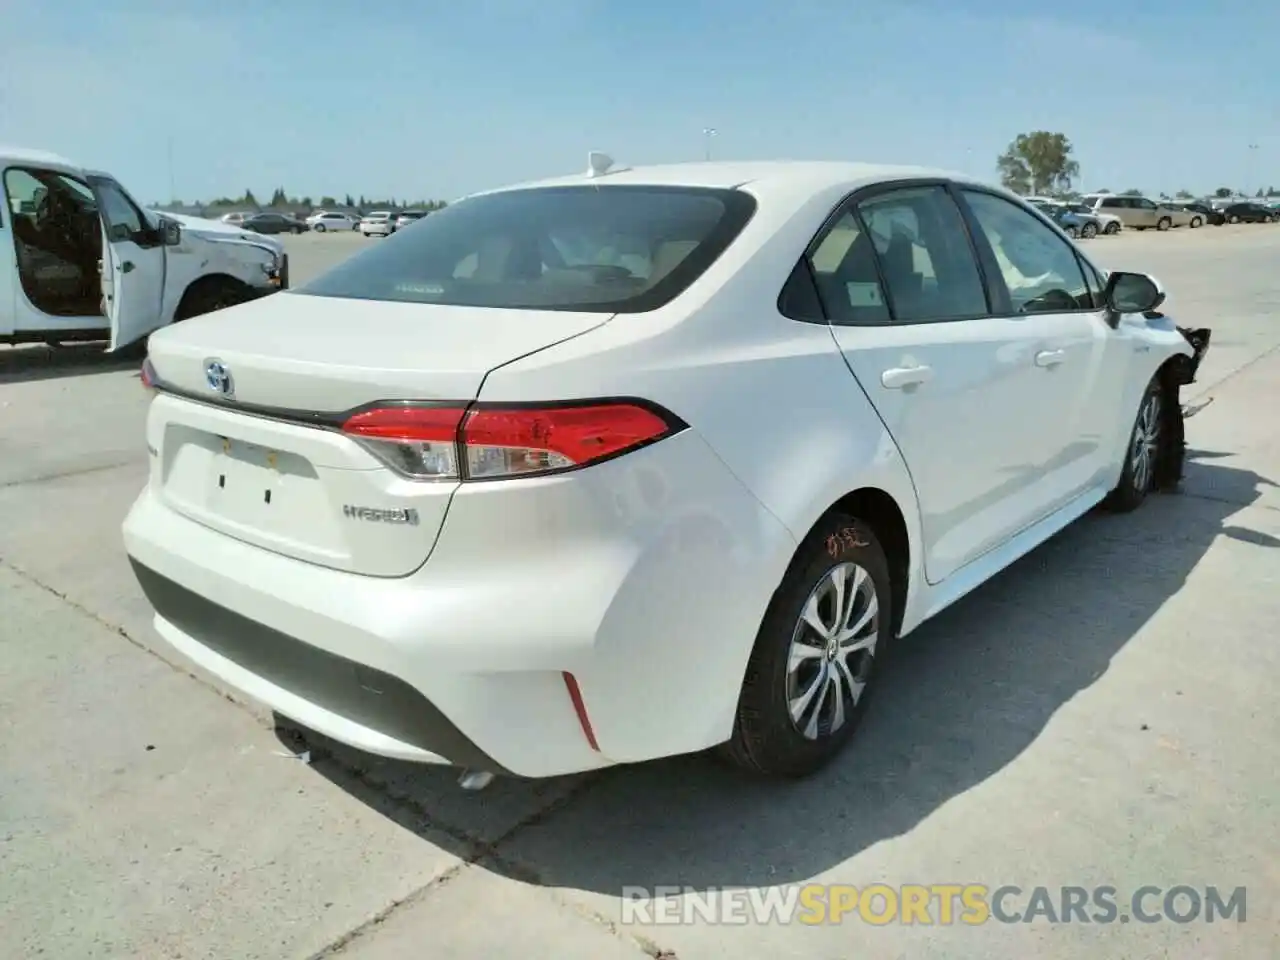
(148, 375)
(489, 443)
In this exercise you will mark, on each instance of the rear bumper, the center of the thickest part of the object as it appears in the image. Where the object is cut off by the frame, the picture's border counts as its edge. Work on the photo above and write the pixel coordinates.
(369, 707)
(644, 578)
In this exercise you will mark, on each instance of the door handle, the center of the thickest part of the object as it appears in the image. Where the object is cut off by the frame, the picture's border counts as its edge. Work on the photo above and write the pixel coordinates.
(899, 377)
(1050, 358)
(126, 267)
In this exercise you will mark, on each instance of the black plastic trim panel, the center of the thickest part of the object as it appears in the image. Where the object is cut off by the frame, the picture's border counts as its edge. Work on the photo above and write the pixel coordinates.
(348, 689)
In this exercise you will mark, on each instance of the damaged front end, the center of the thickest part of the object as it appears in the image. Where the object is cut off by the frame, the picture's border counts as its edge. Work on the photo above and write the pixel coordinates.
(1180, 373)
(1186, 367)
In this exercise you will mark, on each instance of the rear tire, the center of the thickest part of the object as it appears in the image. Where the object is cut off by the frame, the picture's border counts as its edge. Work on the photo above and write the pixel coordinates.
(319, 228)
(1196, 222)
(1072, 231)
(807, 685)
(1164, 223)
(1089, 231)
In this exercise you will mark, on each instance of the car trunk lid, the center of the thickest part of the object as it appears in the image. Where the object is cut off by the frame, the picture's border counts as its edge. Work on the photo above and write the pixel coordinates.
(246, 433)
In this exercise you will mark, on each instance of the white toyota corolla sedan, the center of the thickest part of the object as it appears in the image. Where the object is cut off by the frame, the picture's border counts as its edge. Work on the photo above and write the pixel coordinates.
(641, 461)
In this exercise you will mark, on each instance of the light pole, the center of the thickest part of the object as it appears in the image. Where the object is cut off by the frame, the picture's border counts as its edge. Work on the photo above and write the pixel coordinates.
(172, 193)
(707, 134)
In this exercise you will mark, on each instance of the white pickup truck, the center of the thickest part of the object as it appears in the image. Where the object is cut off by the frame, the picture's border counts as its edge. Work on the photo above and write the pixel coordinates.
(80, 259)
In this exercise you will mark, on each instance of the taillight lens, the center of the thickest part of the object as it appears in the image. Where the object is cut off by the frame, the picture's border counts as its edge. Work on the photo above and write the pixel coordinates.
(148, 375)
(491, 443)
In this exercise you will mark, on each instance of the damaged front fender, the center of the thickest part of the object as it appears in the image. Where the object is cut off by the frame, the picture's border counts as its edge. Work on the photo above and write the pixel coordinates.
(1187, 367)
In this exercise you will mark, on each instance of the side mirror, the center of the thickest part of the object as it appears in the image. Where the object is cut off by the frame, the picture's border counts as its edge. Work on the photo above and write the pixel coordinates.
(170, 233)
(1132, 293)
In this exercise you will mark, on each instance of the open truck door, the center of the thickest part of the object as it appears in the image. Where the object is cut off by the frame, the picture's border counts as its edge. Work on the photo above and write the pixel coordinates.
(133, 264)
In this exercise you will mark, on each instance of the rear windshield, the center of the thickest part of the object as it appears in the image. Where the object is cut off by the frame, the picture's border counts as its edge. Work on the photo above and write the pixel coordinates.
(608, 249)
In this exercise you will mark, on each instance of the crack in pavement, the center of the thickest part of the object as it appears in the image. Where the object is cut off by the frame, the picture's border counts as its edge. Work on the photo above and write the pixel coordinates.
(1274, 348)
(77, 472)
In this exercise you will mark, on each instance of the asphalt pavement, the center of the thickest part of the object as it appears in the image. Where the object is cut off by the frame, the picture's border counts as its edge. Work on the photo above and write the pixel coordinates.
(1103, 713)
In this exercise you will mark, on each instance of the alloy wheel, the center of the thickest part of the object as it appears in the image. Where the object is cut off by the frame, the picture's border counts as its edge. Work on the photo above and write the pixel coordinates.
(1146, 442)
(832, 650)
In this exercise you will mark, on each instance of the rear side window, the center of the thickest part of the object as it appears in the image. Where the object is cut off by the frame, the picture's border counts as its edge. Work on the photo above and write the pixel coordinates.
(925, 256)
(844, 269)
(606, 249)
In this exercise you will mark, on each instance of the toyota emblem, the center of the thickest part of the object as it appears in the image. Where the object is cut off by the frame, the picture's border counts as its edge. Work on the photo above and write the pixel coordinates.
(218, 377)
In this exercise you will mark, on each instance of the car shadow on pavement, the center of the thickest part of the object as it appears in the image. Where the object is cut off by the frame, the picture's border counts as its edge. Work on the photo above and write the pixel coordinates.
(963, 697)
(41, 362)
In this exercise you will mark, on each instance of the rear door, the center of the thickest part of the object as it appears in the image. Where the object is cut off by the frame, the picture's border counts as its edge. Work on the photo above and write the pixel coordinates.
(955, 386)
(133, 265)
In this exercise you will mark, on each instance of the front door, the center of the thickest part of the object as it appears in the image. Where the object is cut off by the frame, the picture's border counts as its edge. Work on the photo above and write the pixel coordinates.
(953, 385)
(133, 265)
(1074, 377)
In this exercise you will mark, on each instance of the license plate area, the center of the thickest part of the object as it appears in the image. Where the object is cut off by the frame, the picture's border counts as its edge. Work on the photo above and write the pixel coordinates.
(251, 480)
(271, 497)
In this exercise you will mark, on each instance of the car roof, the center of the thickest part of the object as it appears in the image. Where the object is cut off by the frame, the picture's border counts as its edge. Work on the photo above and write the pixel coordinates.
(783, 177)
(43, 158)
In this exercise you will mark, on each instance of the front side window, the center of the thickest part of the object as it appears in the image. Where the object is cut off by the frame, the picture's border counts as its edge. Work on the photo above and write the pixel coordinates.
(124, 220)
(925, 256)
(1038, 266)
(606, 249)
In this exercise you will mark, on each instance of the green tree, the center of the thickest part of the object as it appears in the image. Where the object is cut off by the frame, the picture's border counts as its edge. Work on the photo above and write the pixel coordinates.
(349, 201)
(328, 202)
(278, 198)
(1038, 162)
(1185, 195)
(1223, 192)
(1259, 193)
(1133, 192)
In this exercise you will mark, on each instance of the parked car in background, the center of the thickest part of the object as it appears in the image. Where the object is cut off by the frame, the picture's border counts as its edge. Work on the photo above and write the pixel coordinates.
(1137, 213)
(793, 464)
(234, 218)
(1079, 223)
(1249, 211)
(379, 223)
(324, 221)
(274, 223)
(406, 218)
(1202, 210)
(1107, 223)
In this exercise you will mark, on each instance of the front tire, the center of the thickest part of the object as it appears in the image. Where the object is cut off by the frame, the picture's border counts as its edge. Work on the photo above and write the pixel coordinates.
(210, 294)
(1145, 453)
(1073, 232)
(1196, 222)
(814, 662)
(320, 228)
(1089, 231)
(1164, 223)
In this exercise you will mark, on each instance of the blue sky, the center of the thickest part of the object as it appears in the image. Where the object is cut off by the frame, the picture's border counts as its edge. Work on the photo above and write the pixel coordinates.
(430, 99)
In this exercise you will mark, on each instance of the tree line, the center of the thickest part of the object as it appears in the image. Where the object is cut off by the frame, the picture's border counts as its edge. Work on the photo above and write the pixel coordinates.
(1040, 163)
(279, 199)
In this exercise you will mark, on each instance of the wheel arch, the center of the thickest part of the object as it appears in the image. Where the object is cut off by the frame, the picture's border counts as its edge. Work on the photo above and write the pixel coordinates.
(881, 511)
(201, 283)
